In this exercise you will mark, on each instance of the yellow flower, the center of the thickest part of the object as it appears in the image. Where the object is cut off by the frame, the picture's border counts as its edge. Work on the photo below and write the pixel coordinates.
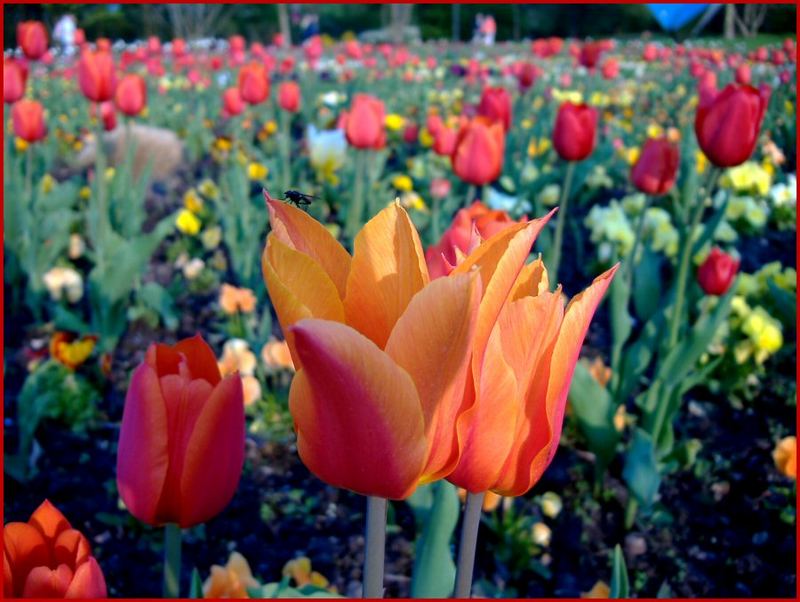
(527, 124)
(411, 200)
(257, 171)
(551, 504)
(425, 138)
(701, 162)
(541, 534)
(300, 571)
(270, 127)
(85, 193)
(536, 148)
(403, 182)
(749, 177)
(192, 201)
(785, 457)
(632, 155)
(211, 237)
(47, 183)
(394, 122)
(231, 580)
(208, 189)
(599, 590)
(222, 144)
(188, 223)
(110, 171)
(71, 351)
(654, 131)
(20, 144)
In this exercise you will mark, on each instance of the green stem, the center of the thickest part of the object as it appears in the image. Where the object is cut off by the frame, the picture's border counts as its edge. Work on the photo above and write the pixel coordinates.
(286, 150)
(630, 512)
(470, 195)
(561, 221)
(469, 540)
(356, 212)
(375, 548)
(29, 176)
(102, 217)
(637, 241)
(172, 560)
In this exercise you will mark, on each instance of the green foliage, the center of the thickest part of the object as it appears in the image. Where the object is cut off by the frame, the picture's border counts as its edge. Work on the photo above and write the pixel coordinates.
(620, 588)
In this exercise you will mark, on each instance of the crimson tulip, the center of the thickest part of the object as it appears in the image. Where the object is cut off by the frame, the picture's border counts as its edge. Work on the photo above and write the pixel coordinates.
(14, 79)
(28, 118)
(495, 105)
(590, 54)
(131, 95)
(363, 124)
(46, 558)
(575, 131)
(181, 443)
(444, 141)
(253, 83)
(289, 96)
(32, 38)
(727, 123)
(655, 171)
(96, 75)
(717, 272)
(478, 155)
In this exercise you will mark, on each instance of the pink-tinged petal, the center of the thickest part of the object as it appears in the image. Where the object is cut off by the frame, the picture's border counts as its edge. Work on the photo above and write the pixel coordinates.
(357, 414)
(49, 520)
(200, 358)
(299, 288)
(388, 269)
(88, 582)
(42, 582)
(142, 454)
(432, 341)
(214, 454)
(303, 233)
(532, 280)
(486, 429)
(545, 403)
(71, 548)
(25, 548)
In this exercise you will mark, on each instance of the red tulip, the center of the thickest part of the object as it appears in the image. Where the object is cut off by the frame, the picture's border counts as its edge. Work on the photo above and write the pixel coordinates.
(32, 38)
(650, 53)
(717, 272)
(96, 75)
(610, 69)
(14, 77)
(107, 114)
(575, 131)
(131, 95)
(410, 133)
(363, 125)
(237, 43)
(232, 103)
(444, 141)
(655, 171)
(46, 558)
(590, 54)
(28, 118)
(478, 155)
(527, 75)
(495, 104)
(312, 48)
(178, 47)
(181, 443)
(253, 83)
(289, 96)
(727, 123)
(153, 45)
(743, 76)
(79, 38)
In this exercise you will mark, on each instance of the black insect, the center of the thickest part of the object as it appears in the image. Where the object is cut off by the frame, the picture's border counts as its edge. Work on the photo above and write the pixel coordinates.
(298, 198)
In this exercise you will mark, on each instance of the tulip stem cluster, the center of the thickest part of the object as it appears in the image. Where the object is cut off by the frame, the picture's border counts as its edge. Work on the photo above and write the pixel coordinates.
(375, 547)
(561, 220)
(172, 560)
(355, 212)
(469, 539)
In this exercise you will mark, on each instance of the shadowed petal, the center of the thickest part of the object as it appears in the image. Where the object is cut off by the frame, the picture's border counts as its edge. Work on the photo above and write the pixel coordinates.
(25, 548)
(88, 581)
(71, 548)
(200, 358)
(42, 582)
(532, 280)
(49, 520)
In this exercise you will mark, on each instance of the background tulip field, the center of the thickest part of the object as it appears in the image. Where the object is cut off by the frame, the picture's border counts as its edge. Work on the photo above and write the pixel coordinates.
(254, 276)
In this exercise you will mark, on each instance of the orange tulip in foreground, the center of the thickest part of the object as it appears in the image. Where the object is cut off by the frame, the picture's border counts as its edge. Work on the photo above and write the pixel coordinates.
(478, 155)
(382, 353)
(181, 444)
(47, 558)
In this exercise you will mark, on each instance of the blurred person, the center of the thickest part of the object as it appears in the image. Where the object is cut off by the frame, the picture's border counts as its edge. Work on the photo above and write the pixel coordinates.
(64, 33)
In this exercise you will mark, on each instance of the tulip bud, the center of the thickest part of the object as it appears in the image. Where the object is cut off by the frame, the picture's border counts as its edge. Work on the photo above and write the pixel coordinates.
(253, 84)
(610, 69)
(364, 123)
(289, 96)
(131, 95)
(28, 118)
(575, 131)
(478, 155)
(232, 103)
(32, 38)
(655, 171)
(495, 105)
(743, 74)
(96, 75)
(14, 77)
(181, 443)
(717, 272)
(727, 123)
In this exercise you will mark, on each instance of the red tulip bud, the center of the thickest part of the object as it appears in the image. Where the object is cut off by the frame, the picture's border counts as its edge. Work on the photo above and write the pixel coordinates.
(717, 272)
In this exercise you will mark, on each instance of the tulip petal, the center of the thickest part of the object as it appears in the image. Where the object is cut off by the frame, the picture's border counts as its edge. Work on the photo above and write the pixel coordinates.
(357, 414)
(301, 232)
(143, 455)
(299, 288)
(49, 520)
(388, 269)
(42, 582)
(8, 577)
(25, 548)
(71, 548)
(88, 581)
(532, 280)
(200, 358)
(214, 454)
(432, 341)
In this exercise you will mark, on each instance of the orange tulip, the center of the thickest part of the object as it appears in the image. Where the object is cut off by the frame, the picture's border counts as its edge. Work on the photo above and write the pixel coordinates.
(363, 125)
(523, 359)
(47, 558)
(289, 96)
(478, 155)
(382, 352)
(28, 118)
(96, 75)
(181, 444)
(253, 84)
(131, 95)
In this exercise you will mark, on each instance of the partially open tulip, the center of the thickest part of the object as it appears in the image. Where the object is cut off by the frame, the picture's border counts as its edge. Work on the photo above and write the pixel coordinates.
(478, 155)
(232, 103)
(727, 123)
(14, 77)
(253, 84)
(46, 558)
(717, 272)
(28, 118)
(181, 443)
(289, 96)
(495, 105)
(363, 124)
(32, 38)
(785, 456)
(131, 95)
(382, 352)
(575, 131)
(96, 75)
(459, 239)
(656, 168)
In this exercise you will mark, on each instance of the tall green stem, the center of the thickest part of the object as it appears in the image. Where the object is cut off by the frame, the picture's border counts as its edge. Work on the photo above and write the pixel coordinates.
(356, 212)
(101, 218)
(172, 560)
(561, 220)
(637, 241)
(469, 540)
(286, 149)
(470, 195)
(376, 547)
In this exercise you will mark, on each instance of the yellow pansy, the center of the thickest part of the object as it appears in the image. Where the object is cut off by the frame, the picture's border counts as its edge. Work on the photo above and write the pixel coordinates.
(257, 171)
(403, 182)
(187, 222)
(192, 201)
(394, 122)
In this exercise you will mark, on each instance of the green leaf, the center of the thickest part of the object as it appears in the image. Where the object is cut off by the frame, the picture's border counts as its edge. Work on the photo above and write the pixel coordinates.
(621, 321)
(647, 289)
(195, 585)
(594, 410)
(641, 470)
(434, 570)
(157, 298)
(784, 302)
(620, 587)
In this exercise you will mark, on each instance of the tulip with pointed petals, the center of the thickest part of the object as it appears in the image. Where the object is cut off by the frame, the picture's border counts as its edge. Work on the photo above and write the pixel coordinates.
(478, 154)
(96, 75)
